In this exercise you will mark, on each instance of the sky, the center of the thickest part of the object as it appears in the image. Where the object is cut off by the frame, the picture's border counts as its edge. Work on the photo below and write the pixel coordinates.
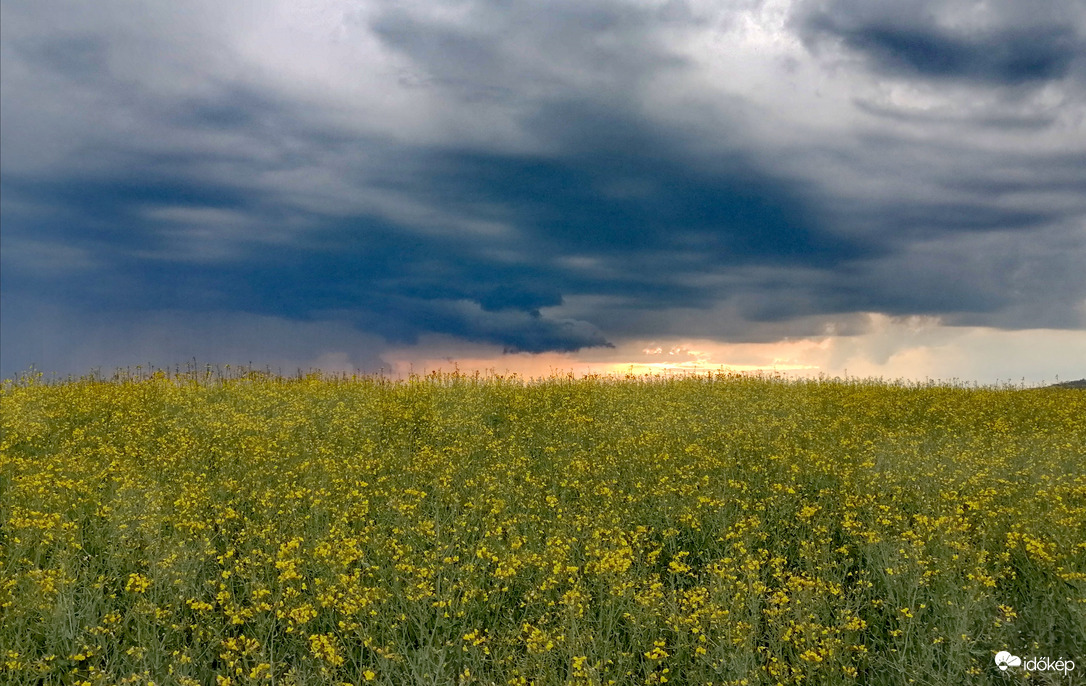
(835, 187)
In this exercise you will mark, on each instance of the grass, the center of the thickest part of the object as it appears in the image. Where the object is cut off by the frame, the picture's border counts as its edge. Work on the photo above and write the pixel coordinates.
(449, 529)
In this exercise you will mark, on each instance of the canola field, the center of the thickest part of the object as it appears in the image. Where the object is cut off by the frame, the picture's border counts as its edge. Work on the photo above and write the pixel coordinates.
(451, 529)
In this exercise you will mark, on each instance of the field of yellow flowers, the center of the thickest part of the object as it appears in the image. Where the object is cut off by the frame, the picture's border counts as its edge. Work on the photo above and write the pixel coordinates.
(451, 529)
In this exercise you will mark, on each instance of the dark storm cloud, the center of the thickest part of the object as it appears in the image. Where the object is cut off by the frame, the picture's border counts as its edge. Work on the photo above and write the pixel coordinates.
(363, 270)
(648, 218)
(613, 201)
(907, 39)
(1010, 56)
(544, 176)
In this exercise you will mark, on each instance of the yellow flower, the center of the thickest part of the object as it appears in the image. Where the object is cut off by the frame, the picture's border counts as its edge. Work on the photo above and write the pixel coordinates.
(137, 583)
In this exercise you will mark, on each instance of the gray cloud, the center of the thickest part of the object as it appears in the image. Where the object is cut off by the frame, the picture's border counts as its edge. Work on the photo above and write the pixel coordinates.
(544, 177)
(948, 40)
(1011, 56)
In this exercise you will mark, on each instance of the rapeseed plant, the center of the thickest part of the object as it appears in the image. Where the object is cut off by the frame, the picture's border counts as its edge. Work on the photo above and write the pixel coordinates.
(456, 529)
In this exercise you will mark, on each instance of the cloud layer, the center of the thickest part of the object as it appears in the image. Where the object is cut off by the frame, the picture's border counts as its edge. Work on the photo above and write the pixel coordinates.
(541, 177)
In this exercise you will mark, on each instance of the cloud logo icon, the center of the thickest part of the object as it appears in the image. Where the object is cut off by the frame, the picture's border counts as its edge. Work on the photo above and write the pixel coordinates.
(1003, 660)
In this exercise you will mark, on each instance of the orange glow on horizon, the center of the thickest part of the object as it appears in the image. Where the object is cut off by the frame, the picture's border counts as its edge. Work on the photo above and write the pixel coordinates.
(893, 348)
(634, 358)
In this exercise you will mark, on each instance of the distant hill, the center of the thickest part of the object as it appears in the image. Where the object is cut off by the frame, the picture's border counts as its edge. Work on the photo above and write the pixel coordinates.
(1081, 383)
